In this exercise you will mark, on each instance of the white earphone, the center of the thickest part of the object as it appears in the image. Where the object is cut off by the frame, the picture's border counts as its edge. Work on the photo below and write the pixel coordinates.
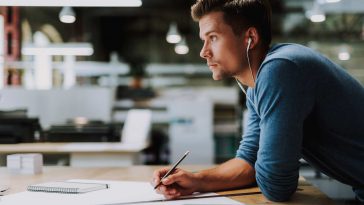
(247, 56)
(249, 42)
(251, 71)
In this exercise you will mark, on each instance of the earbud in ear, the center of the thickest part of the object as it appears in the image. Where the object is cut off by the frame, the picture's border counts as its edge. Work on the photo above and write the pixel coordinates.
(249, 42)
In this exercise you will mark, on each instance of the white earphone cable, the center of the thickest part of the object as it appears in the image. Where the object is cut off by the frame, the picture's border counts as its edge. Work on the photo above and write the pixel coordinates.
(244, 91)
(251, 72)
(247, 56)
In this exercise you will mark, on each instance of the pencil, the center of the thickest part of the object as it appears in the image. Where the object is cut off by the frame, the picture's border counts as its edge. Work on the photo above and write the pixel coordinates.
(172, 169)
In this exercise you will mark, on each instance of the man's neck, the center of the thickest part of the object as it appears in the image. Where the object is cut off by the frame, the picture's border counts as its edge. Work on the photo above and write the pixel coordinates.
(248, 77)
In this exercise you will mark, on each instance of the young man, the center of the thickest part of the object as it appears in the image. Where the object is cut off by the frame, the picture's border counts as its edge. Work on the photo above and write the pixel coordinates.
(300, 104)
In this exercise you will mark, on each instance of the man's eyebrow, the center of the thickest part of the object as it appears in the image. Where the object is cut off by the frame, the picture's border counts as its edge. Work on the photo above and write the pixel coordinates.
(207, 33)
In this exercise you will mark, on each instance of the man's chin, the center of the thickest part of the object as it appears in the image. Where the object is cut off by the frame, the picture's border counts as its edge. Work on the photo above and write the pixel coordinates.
(216, 77)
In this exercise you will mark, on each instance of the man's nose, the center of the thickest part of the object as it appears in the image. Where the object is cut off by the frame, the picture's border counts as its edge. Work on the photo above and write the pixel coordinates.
(205, 52)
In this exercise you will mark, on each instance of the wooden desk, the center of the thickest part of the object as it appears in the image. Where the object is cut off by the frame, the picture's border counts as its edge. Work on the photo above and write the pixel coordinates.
(308, 195)
(83, 154)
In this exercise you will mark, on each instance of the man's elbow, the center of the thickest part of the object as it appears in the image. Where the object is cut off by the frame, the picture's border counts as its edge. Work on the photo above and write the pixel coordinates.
(277, 197)
(277, 190)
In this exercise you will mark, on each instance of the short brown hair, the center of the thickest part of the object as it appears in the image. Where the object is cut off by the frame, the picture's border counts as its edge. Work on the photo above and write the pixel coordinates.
(239, 14)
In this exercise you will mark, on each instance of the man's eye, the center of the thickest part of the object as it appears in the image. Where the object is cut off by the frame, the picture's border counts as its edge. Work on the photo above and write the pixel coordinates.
(213, 38)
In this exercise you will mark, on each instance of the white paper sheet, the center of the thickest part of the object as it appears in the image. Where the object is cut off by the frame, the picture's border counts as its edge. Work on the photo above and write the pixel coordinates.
(119, 192)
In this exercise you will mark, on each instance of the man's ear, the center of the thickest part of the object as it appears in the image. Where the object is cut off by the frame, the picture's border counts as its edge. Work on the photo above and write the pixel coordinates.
(252, 37)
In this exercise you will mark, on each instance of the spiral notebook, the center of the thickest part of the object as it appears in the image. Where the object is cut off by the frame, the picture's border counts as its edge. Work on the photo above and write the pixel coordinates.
(69, 187)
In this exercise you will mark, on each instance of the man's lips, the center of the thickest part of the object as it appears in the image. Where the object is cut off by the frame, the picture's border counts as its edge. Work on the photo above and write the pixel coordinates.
(212, 64)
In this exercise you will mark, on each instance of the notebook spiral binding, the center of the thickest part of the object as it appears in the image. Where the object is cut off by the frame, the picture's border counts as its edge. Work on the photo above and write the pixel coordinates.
(53, 189)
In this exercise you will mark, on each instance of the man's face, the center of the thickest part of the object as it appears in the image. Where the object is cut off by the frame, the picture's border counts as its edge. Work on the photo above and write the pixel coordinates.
(222, 49)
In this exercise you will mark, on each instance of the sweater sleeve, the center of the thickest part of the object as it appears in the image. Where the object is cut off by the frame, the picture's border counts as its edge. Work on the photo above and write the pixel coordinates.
(282, 105)
(249, 144)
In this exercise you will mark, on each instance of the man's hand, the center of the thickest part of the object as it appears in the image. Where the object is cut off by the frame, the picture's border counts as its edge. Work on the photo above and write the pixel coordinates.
(179, 183)
(232, 174)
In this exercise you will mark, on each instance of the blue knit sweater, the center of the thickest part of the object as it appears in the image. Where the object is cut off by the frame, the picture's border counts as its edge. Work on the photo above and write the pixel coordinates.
(303, 106)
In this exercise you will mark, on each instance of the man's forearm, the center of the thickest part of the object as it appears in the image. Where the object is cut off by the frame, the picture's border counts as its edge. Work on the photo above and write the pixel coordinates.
(231, 174)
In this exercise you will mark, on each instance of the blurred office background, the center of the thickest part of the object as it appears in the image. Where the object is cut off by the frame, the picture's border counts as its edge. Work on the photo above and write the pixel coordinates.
(72, 74)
